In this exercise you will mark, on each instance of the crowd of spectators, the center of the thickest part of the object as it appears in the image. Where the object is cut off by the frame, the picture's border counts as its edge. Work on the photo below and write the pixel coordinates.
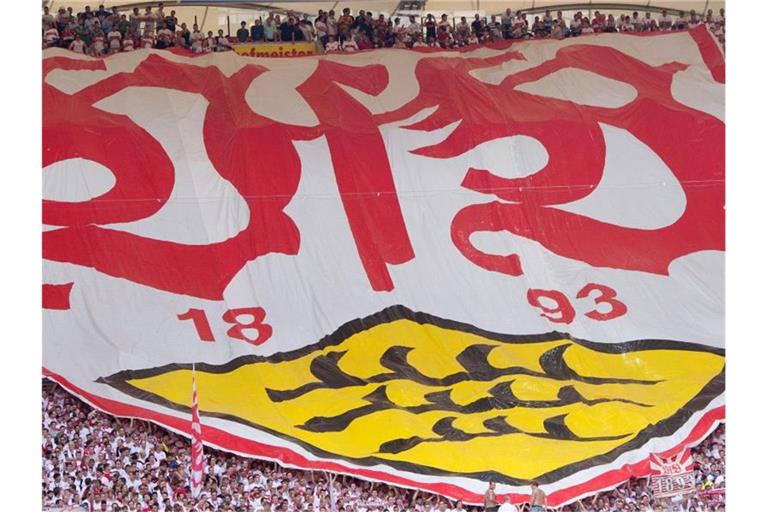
(96, 462)
(103, 31)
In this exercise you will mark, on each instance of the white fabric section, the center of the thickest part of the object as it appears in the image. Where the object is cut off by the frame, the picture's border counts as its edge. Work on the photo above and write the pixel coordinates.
(582, 87)
(72, 81)
(509, 157)
(696, 88)
(496, 74)
(401, 65)
(281, 82)
(654, 51)
(403, 85)
(76, 179)
(637, 189)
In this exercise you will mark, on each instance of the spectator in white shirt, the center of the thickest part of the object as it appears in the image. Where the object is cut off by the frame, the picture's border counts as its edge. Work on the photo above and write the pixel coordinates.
(222, 43)
(414, 28)
(332, 46)
(720, 18)
(350, 45)
(332, 24)
(665, 20)
(649, 24)
(51, 36)
(693, 18)
(115, 43)
(47, 18)
(507, 506)
(148, 39)
(196, 39)
(149, 19)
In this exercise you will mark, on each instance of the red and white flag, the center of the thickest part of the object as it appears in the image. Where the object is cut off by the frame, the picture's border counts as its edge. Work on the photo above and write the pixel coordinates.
(197, 443)
(673, 476)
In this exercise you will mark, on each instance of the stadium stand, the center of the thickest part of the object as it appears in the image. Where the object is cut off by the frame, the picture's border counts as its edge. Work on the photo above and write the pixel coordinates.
(94, 460)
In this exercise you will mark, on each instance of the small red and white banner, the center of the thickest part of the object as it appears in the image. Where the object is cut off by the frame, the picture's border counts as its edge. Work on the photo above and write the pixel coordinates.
(197, 444)
(674, 476)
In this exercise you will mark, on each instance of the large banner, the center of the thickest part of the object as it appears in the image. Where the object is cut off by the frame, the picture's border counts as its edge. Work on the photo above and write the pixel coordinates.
(434, 269)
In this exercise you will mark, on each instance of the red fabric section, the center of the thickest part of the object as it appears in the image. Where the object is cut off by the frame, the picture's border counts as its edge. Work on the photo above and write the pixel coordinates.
(56, 296)
(246, 149)
(710, 52)
(573, 139)
(369, 196)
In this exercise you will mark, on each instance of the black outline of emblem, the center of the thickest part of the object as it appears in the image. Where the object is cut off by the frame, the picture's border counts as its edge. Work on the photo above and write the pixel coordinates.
(714, 388)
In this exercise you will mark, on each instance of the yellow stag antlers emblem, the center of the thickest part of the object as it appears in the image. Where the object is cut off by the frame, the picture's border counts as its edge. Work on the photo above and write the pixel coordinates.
(420, 393)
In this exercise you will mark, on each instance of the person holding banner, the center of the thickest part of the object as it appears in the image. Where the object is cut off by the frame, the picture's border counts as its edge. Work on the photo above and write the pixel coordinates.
(538, 501)
(490, 503)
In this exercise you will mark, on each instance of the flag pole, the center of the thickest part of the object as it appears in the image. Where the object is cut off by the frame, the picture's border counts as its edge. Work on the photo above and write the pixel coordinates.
(197, 443)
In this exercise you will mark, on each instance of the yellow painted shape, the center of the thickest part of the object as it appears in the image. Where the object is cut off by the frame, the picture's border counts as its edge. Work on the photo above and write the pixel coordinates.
(241, 394)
